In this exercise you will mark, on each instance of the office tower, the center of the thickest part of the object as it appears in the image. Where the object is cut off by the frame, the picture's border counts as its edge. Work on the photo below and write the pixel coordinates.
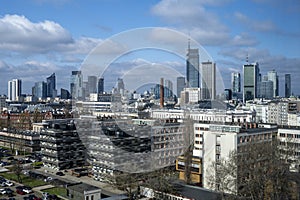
(287, 85)
(120, 86)
(272, 76)
(266, 90)
(180, 85)
(161, 89)
(51, 86)
(236, 82)
(64, 94)
(40, 90)
(251, 80)
(76, 85)
(192, 68)
(208, 80)
(92, 84)
(228, 94)
(101, 85)
(14, 89)
(168, 89)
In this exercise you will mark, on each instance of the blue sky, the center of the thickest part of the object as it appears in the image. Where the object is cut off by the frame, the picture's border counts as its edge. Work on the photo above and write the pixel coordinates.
(39, 37)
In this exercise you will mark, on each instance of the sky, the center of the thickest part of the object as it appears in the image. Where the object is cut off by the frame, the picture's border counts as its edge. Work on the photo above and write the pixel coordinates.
(145, 38)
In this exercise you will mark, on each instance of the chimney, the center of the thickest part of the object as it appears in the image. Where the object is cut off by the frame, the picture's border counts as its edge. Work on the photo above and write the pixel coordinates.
(161, 92)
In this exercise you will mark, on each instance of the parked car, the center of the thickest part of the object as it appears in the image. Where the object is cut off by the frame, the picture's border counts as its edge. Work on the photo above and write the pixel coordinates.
(19, 190)
(27, 189)
(60, 173)
(48, 179)
(9, 183)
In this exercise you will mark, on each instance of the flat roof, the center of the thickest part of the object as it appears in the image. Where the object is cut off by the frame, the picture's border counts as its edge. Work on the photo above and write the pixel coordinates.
(81, 187)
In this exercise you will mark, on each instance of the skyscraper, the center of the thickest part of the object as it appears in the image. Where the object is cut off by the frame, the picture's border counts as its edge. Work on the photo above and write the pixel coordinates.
(287, 85)
(120, 85)
(76, 85)
(14, 89)
(180, 85)
(40, 90)
(208, 80)
(192, 68)
(92, 84)
(266, 90)
(51, 86)
(168, 89)
(236, 82)
(272, 76)
(101, 85)
(251, 80)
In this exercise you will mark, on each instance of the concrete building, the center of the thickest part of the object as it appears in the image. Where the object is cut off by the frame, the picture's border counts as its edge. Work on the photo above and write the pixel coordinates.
(251, 80)
(293, 119)
(220, 140)
(208, 80)
(190, 96)
(14, 89)
(61, 146)
(2, 102)
(101, 85)
(278, 112)
(83, 191)
(130, 145)
(289, 138)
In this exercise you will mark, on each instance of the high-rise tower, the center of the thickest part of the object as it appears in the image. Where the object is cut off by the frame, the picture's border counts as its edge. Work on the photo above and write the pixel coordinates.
(76, 85)
(236, 82)
(287, 85)
(251, 81)
(101, 85)
(51, 86)
(272, 76)
(14, 89)
(192, 68)
(180, 85)
(208, 80)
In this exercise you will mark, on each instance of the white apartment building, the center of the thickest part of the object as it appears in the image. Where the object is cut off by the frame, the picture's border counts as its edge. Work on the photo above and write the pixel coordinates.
(218, 141)
(289, 137)
(294, 119)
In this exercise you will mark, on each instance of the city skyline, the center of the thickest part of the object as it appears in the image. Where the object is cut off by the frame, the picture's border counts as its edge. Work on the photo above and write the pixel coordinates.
(227, 30)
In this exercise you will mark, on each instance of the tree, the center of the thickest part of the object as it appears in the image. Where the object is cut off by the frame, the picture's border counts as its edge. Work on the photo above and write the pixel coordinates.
(255, 171)
(17, 169)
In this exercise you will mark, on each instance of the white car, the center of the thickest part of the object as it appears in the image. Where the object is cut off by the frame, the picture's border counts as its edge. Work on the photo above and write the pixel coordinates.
(48, 179)
(8, 183)
(27, 190)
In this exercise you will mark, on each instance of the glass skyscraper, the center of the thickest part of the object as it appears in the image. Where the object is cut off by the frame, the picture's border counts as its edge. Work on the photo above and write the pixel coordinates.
(51, 86)
(76, 85)
(236, 82)
(180, 85)
(208, 80)
(272, 76)
(287, 85)
(192, 68)
(251, 80)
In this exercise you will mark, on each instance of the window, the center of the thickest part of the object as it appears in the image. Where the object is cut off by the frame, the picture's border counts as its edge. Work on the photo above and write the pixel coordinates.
(92, 197)
(86, 197)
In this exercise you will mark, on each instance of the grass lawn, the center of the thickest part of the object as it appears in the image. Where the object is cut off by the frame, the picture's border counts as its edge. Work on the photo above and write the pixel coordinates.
(58, 191)
(26, 180)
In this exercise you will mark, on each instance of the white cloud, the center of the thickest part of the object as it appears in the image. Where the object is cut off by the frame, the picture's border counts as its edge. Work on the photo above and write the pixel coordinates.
(243, 39)
(193, 18)
(260, 26)
(19, 34)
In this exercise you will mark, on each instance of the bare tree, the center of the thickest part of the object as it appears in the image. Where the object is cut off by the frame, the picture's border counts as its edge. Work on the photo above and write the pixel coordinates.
(255, 171)
(17, 169)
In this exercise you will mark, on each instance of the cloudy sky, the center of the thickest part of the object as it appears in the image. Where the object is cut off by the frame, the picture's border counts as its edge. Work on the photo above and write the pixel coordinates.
(39, 37)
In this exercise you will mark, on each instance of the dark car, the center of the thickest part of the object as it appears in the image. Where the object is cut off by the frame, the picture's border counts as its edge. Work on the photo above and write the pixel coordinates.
(60, 173)
(19, 190)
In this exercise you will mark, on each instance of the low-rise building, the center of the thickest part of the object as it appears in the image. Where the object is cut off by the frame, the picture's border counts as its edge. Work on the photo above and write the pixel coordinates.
(80, 191)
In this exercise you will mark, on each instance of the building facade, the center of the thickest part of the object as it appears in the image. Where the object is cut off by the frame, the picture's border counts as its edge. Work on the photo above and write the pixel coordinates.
(272, 76)
(76, 85)
(51, 86)
(14, 89)
(192, 68)
(180, 85)
(287, 85)
(236, 82)
(208, 80)
(251, 80)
